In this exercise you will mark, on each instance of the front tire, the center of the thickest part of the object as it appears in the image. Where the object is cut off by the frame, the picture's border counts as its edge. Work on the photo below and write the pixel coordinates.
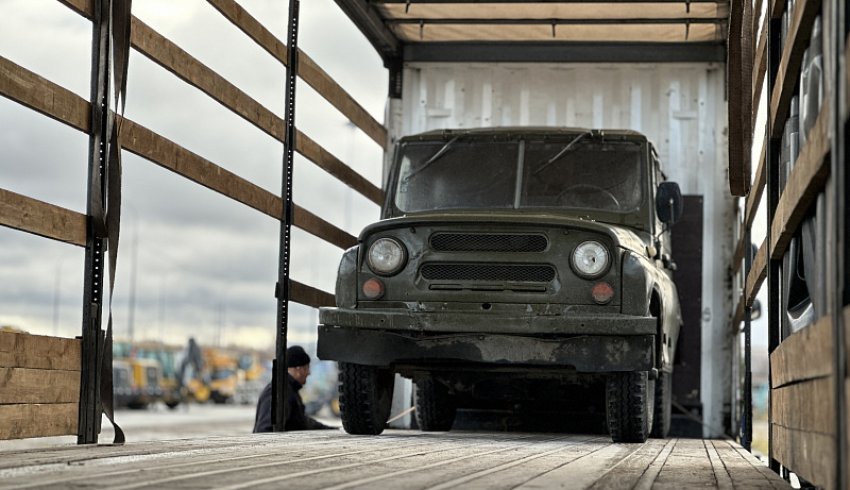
(435, 406)
(365, 398)
(663, 405)
(630, 403)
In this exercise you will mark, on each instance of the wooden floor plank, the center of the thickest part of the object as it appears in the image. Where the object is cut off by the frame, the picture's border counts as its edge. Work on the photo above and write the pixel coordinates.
(687, 466)
(585, 470)
(631, 471)
(397, 459)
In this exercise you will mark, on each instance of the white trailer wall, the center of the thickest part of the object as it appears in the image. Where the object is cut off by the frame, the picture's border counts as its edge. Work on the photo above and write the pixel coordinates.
(681, 107)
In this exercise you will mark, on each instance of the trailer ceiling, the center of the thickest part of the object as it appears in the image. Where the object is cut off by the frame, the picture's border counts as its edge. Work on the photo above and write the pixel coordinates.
(562, 31)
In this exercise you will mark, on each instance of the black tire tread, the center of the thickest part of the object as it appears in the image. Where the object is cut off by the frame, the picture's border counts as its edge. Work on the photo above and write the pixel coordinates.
(435, 407)
(628, 406)
(663, 405)
(363, 402)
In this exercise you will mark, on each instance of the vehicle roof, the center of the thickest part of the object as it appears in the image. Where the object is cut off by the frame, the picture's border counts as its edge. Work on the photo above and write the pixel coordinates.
(440, 134)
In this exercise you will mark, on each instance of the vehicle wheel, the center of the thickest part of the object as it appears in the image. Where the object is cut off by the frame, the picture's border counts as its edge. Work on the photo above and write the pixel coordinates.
(172, 404)
(435, 406)
(365, 398)
(663, 403)
(630, 403)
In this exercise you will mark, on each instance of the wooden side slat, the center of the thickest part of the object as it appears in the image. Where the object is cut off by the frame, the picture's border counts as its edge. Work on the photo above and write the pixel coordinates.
(750, 208)
(759, 70)
(20, 385)
(756, 192)
(777, 8)
(738, 316)
(82, 7)
(804, 355)
(37, 93)
(757, 274)
(808, 406)
(41, 218)
(310, 296)
(808, 454)
(332, 165)
(147, 144)
(174, 59)
(789, 65)
(22, 350)
(805, 182)
(308, 70)
(33, 420)
(847, 348)
(189, 69)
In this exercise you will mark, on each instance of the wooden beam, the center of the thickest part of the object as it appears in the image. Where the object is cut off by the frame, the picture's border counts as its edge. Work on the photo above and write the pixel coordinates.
(167, 154)
(804, 184)
(805, 355)
(22, 350)
(308, 70)
(750, 208)
(37, 93)
(757, 275)
(82, 7)
(808, 454)
(808, 405)
(332, 165)
(738, 316)
(310, 296)
(43, 219)
(759, 70)
(21, 385)
(34, 420)
(171, 57)
(149, 145)
(789, 65)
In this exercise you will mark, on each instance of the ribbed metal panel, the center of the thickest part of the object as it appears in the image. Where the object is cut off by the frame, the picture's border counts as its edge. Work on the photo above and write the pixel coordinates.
(486, 242)
(488, 272)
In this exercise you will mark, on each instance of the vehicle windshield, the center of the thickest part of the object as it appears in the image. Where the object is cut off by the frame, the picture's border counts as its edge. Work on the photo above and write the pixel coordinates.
(577, 172)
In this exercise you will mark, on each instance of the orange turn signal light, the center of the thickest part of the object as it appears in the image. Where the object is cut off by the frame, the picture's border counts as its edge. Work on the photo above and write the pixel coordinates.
(373, 288)
(602, 292)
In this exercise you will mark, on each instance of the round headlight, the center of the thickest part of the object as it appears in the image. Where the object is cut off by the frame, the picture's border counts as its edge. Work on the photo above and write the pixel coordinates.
(590, 259)
(386, 256)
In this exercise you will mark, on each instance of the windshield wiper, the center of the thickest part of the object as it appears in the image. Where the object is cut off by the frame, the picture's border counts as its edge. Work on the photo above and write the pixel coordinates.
(557, 156)
(436, 156)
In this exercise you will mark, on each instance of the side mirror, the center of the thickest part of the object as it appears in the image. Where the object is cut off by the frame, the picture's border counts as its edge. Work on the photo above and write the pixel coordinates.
(668, 203)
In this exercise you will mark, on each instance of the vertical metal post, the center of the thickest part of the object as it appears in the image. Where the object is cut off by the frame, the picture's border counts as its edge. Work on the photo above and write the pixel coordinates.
(747, 416)
(836, 274)
(280, 383)
(88, 425)
(774, 53)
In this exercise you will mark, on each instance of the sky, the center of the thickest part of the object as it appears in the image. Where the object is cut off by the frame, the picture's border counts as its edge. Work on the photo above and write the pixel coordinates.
(195, 262)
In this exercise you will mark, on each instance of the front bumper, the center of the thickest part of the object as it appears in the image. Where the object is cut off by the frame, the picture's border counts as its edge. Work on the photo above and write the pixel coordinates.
(589, 344)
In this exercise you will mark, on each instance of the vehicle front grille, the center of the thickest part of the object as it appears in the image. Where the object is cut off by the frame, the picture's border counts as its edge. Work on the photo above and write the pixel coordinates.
(488, 272)
(488, 242)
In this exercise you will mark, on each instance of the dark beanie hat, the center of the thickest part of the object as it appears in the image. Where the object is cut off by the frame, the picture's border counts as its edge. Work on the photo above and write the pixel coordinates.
(295, 356)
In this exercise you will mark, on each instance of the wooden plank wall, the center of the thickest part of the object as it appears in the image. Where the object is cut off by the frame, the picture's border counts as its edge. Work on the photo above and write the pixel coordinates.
(39, 385)
(803, 383)
(803, 404)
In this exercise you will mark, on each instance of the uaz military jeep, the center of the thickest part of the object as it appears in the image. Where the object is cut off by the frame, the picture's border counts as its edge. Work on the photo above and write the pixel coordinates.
(508, 263)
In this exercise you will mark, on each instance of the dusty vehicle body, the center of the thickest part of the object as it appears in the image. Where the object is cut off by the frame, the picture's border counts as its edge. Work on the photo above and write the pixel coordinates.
(507, 258)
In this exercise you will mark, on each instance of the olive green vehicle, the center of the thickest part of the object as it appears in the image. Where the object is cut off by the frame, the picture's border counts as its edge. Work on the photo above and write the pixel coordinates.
(512, 262)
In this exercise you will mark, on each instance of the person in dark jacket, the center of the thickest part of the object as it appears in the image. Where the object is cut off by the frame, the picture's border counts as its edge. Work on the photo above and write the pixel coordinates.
(298, 369)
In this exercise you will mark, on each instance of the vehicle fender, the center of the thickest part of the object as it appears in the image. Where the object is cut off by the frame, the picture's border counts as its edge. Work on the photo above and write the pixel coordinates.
(346, 279)
(636, 284)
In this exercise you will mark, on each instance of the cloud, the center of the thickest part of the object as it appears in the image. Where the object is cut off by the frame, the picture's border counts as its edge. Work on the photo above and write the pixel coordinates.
(205, 265)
